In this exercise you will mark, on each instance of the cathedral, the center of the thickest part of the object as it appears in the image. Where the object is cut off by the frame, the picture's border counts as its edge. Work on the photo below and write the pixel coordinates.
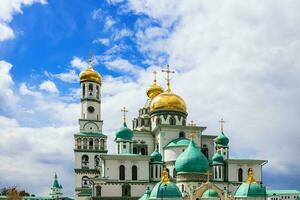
(161, 156)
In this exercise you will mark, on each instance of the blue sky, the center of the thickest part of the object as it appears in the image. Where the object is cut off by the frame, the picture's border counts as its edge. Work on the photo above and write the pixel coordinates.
(237, 60)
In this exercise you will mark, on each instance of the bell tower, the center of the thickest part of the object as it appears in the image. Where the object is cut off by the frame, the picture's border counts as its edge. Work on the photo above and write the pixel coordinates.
(90, 142)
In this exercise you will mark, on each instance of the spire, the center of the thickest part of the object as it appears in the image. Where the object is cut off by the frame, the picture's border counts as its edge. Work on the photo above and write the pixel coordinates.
(222, 124)
(168, 72)
(192, 131)
(165, 176)
(250, 178)
(124, 110)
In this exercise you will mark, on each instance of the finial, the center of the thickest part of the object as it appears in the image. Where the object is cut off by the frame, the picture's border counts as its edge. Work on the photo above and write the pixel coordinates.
(124, 110)
(192, 132)
(164, 176)
(250, 178)
(222, 124)
(168, 72)
(55, 176)
(90, 62)
(154, 73)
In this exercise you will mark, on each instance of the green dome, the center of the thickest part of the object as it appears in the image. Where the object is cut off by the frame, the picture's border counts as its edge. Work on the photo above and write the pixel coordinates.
(168, 190)
(156, 156)
(217, 159)
(210, 193)
(222, 140)
(250, 190)
(178, 142)
(146, 195)
(124, 133)
(191, 160)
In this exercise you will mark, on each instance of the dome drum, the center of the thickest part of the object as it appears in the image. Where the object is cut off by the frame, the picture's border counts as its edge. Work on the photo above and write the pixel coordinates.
(191, 177)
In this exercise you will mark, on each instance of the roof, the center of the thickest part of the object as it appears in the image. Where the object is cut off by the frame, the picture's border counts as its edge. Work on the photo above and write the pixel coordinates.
(170, 190)
(282, 192)
(178, 142)
(90, 134)
(125, 157)
(156, 156)
(250, 161)
(124, 133)
(210, 193)
(250, 190)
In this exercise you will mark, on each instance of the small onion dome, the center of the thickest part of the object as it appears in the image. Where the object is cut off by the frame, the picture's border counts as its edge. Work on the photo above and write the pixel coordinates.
(124, 133)
(156, 156)
(222, 140)
(168, 101)
(191, 160)
(154, 90)
(250, 188)
(210, 193)
(217, 159)
(146, 194)
(90, 75)
(167, 190)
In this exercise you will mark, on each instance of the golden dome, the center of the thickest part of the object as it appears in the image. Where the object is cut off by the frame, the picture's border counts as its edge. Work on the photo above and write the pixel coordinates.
(154, 90)
(90, 75)
(168, 101)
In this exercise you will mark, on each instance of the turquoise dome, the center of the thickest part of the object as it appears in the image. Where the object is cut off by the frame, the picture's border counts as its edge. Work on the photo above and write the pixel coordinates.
(210, 193)
(124, 133)
(222, 140)
(156, 156)
(146, 195)
(191, 160)
(178, 142)
(168, 190)
(217, 159)
(252, 189)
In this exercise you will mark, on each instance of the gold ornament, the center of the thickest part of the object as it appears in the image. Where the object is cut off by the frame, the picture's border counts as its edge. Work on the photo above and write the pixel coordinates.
(90, 74)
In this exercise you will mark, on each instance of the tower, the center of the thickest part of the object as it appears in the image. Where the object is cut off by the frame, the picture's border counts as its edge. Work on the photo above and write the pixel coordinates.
(222, 142)
(56, 189)
(90, 142)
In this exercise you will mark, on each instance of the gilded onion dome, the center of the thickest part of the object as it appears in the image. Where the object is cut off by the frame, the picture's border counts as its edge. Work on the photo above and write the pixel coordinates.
(90, 75)
(154, 89)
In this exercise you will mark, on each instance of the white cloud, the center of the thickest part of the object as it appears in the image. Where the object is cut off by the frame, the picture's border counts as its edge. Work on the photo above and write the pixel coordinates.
(119, 34)
(7, 9)
(70, 76)
(96, 14)
(109, 22)
(103, 41)
(122, 65)
(49, 86)
(78, 63)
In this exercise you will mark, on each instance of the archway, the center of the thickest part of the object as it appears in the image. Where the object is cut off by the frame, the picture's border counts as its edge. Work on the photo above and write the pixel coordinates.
(205, 186)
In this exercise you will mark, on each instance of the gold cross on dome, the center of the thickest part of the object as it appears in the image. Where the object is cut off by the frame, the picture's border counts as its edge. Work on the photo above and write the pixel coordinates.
(124, 110)
(168, 72)
(90, 62)
(192, 132)
(222, 124)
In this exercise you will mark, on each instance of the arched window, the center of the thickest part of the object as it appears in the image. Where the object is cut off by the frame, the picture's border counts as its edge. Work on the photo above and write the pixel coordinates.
(83, 90)
(220, 174)
(126, 190)
(151, 172)
(172, 121)
(102, 144)
(143, 152)
(97, 92)
(174, 172)
(158, 121)
(85, 182)
(79, 143)
(134, 172)
(183, 122)
(90, 89)
(85, 162)
(98, 191)
(84, 143)
(96, 144)
(204, 150)
(135, 150)
(91, 144)
(240, 175)
(216, 175)
(156, 171)
(182, 134)
(97, 161)
(122, 172)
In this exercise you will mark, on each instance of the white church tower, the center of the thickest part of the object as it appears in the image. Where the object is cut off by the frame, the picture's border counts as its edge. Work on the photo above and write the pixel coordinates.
(90, 142)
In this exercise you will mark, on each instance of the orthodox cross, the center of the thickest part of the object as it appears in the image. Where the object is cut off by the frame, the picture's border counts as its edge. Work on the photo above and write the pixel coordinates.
(168, 72)
(124, 110)
(90, 62)
(154, 73)
(222, 124)
(192, 132)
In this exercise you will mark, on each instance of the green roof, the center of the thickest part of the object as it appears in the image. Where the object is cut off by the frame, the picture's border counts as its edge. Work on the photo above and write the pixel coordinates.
(124, 133)
(156, 156)
(282, 192)
(249, 190)
(179, 142)
(56, 183)
(168, 191)
(85, 192)
(146, 195)
(91, 134)
(222, 140)
(217, 159)
(191, 160)
(210, 193)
